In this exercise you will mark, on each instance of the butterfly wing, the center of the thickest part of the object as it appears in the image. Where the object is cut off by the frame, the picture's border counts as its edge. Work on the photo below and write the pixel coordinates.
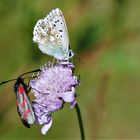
(51, 34)
(24, 107)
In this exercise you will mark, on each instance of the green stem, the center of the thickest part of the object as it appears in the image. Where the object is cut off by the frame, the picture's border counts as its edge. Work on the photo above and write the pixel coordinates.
(80, 121)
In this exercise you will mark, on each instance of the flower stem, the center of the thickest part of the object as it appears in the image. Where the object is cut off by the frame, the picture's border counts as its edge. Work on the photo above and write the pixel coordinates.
(79, 116)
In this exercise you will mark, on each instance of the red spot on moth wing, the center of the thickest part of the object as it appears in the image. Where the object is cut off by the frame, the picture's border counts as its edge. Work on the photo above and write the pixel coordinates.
(21, 90)
(26, 113)
(28, 110)
(23, 103)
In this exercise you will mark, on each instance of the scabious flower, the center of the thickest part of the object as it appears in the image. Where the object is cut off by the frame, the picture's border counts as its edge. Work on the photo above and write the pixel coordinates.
(54, 86)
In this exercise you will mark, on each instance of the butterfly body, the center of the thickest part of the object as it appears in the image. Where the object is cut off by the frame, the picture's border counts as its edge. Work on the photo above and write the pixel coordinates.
(24, 107)
(51, 35)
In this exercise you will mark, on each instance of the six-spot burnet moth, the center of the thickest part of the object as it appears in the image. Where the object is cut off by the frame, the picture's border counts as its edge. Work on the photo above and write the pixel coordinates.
(23, 102)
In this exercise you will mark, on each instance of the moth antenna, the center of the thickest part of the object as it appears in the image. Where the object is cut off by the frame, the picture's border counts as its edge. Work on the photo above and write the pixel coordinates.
(4, 82)
(29, 72)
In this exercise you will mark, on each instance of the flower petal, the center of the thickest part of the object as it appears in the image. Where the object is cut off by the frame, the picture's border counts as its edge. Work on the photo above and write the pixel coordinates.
(46, 127)
(72, 104)
(69, 96)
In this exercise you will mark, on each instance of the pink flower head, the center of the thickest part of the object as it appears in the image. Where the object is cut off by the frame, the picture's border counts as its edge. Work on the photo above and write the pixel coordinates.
(54, 86)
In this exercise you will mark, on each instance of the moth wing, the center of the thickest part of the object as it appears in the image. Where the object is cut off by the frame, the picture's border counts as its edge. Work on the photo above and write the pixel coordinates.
(25, 123)
(24, 106)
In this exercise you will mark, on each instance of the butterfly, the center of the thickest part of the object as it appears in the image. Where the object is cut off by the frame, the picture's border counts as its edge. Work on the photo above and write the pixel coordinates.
(23, 102)
(51, 35)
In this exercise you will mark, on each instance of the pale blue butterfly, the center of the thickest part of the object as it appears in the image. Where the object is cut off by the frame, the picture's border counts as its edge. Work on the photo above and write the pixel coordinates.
(51, 35)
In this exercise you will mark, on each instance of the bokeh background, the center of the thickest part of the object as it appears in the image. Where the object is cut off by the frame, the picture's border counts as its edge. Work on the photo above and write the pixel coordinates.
(105, 36)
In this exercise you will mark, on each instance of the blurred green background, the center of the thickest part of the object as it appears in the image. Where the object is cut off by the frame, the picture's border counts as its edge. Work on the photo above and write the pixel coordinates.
(105, 36)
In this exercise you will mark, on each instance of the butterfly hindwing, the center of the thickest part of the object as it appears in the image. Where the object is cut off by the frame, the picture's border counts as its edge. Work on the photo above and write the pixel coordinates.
(52, 36)
(57, 20)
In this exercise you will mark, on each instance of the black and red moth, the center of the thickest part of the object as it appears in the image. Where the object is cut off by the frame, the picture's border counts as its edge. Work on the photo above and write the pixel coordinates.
(23, 102)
